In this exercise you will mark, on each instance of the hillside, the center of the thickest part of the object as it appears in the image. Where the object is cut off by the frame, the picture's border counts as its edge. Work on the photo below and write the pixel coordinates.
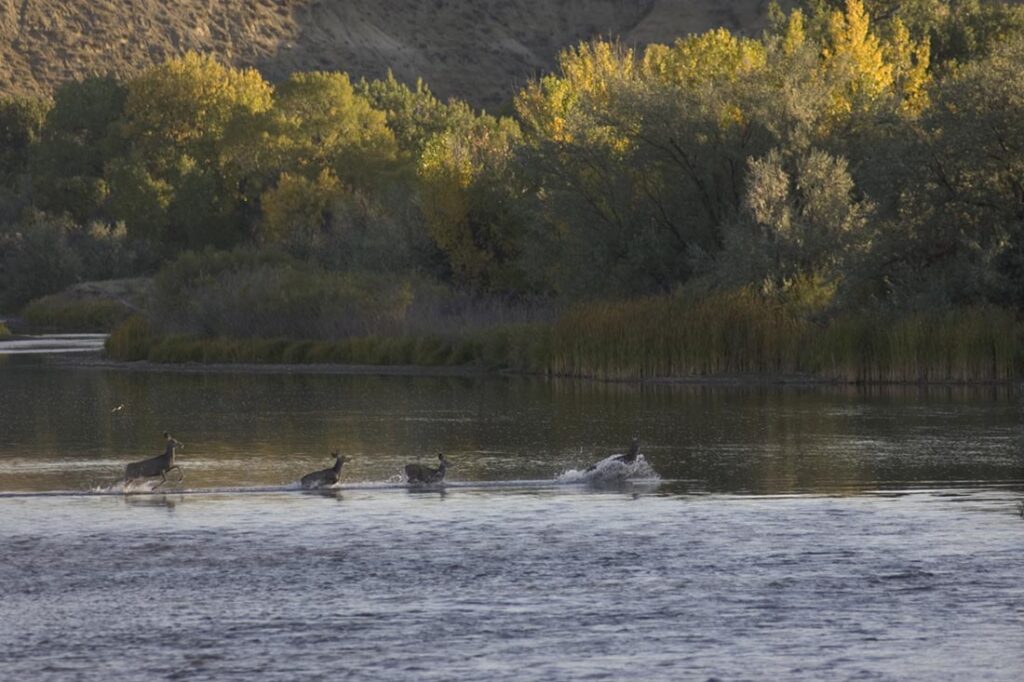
(477, 49)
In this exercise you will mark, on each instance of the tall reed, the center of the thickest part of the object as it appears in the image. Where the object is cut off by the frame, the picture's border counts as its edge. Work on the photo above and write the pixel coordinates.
(732, 334)
(982, 343)
(740, 334)
(674, 336)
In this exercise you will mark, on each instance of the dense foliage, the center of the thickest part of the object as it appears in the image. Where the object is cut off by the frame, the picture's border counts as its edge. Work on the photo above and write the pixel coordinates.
(860, 155)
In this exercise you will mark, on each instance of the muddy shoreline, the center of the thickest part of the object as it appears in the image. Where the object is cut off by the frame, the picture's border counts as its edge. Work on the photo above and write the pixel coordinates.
(96, 361)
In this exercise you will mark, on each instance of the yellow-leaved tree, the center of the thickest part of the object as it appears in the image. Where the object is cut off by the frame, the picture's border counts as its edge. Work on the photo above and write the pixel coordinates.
(464, 188)
(866, 67)
(168, 185)
(296, 210)
(853, 60)
(560, 106)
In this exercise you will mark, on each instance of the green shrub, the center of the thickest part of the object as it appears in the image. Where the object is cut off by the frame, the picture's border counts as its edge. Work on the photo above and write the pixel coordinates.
(263, 293)
(60, 314)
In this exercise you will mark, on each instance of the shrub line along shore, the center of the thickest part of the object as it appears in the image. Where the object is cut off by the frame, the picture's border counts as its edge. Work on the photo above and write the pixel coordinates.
(733, 337)
(475, 371)
(837, 198)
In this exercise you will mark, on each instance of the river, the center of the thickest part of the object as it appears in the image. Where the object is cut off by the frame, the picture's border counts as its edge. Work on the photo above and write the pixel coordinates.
(805, 532)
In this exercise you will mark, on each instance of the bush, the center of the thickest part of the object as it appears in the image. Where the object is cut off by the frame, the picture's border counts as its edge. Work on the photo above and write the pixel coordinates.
(41, 255)
(266, 294)
(55, 313)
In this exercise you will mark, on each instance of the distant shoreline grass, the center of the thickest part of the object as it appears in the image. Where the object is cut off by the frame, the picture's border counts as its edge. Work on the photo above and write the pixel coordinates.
(735, 336)
(97, 306)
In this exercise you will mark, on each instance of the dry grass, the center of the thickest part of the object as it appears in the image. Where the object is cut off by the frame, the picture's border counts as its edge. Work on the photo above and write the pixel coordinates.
(738, 333)
(734, 333)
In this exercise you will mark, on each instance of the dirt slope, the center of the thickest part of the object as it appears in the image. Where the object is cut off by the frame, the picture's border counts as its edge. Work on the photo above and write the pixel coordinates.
(478, 49)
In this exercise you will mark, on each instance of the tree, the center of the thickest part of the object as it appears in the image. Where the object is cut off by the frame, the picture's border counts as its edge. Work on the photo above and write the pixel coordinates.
(168, 186)
(325, 124)
(968, 215)
(414, 115)
(80, 137)
(21, 122)
(297, 209)
(801, 223)
(467, 192)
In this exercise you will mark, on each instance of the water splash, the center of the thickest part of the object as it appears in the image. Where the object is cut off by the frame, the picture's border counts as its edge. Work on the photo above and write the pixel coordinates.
(126, 487)
(611, 470)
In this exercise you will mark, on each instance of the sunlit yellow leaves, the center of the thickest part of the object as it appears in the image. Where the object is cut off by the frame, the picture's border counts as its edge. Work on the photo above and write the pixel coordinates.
(910, 62)
(322, 117)
(854, 60)
(795, 36)
(191, 97)
(297, 206)
(715, 56)
(589, 76)
(454, 170)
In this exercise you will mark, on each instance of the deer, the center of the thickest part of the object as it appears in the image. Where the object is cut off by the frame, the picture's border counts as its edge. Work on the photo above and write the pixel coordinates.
(326, 477)
(628, 458)
(419, 473)
(160, 465)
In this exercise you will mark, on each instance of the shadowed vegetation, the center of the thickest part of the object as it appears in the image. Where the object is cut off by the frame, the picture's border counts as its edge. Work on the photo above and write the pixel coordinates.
(837, 197)
(731, 335)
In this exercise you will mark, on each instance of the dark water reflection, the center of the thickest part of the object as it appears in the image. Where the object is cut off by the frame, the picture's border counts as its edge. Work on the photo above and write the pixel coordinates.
(58, 430)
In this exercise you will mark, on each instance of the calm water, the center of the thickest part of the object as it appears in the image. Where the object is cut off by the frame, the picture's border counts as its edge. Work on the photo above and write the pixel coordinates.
(800, 533)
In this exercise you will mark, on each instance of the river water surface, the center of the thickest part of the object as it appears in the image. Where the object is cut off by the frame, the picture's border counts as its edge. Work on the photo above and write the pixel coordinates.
(771, 533)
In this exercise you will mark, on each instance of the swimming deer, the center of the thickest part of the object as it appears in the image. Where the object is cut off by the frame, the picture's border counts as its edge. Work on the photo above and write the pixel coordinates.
(325, 477)
(418, 473)
(628, 458)
(156, 466)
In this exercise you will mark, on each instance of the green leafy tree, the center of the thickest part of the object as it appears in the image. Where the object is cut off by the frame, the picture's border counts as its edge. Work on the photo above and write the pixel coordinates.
(80, 138)
(326, 124)
(414, 115)
(169, 186)
(36, 258)
(21, 123)
(966, 211)
(801, 223)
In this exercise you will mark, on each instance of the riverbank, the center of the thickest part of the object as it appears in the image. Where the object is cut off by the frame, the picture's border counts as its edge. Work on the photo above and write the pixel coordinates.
(99, 362)
(672, 338)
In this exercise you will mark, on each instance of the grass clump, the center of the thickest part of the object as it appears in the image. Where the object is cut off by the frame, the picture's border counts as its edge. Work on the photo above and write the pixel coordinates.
(58, 314)
(132, 340)
(5, 333)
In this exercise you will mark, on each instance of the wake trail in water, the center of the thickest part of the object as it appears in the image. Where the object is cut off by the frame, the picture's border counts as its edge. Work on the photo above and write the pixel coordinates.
(569, 479)
(610, 470)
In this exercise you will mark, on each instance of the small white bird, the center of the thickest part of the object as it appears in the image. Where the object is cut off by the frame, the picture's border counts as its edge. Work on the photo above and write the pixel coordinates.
(117, 409)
